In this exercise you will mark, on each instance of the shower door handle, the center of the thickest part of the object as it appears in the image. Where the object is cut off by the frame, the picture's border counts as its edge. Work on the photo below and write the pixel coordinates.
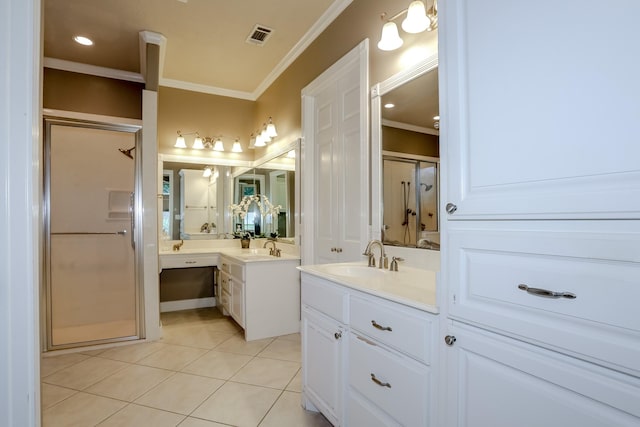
(132, 211)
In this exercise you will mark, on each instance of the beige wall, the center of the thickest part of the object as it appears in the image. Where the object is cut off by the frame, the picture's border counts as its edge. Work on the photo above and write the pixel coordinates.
(64, 90)
(210, 115)
(405, 141)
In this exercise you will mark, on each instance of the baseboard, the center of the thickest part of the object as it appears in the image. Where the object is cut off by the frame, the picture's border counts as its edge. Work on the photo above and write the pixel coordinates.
(187, 304)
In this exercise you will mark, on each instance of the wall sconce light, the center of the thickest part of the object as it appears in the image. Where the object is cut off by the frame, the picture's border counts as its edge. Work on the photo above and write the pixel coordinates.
(264, 136)
(218, 145)
(237, 148)
(180, 142)
(418, 19)
(197, 143)
(260, 140)
(271, 129)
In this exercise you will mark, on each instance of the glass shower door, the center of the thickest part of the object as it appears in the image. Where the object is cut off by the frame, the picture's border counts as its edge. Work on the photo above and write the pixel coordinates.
(91, 288)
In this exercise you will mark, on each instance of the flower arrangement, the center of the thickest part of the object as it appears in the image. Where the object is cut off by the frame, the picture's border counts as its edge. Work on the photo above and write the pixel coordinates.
(263, 203)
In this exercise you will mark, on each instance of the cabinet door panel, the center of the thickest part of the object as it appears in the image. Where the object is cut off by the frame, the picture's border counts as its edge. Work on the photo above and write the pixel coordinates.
(322, 349)
(526, 139)
(502, 382)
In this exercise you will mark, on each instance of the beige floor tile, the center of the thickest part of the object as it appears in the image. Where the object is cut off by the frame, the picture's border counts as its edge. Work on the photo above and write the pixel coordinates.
(240, 405)
(138, 416)
(200, 336)
(81, 409)
(93, 352)
(296, 383)
(218, 364)
(172, 357)
(290, 337)
(196, 316)
(52, 394)
(51, 364)
(130, 383)
(196, 422)
(267, 373)
(237, 344)
(133, 352)
(283, 349)
(182, 393)
(85, 373)
(287, 411)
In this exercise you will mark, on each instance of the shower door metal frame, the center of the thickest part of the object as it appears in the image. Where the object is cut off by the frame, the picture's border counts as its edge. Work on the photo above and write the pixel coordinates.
(136, 232)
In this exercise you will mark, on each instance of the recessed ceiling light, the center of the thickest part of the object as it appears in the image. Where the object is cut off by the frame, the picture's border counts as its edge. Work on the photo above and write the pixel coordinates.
(436, 117)
(83, 40)
(389, 105)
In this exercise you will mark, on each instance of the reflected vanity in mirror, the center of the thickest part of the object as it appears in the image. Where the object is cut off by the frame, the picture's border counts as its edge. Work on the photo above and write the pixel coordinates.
(405, 158)
(197, 194)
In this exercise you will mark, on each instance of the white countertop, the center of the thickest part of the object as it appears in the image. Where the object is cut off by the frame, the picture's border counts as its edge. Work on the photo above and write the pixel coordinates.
(239, 254)
(409, 286)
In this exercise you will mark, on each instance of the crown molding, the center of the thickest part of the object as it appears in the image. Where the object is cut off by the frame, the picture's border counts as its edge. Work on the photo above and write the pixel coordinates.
(94, 70)
(406, 126)
(336, 8)
(212, 90)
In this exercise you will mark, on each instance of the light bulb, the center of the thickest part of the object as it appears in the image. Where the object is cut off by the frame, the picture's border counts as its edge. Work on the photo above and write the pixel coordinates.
(390, 39)
(417, 20)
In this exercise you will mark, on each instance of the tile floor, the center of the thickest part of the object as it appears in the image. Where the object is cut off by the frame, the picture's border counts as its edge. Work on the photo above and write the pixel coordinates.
(201, 374)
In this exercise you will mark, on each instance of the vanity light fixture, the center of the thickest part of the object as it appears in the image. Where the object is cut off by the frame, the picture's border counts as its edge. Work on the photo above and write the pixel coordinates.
(271, 129)
(265, 135)
(237, 148)
(180, 142)
(419, 18)
(85, 41)
(252, 142)
(197, 143)
(436, 117)
(218, 145)
(260, 140)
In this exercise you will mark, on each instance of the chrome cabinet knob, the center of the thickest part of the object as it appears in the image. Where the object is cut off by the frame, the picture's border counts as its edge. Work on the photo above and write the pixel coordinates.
(337, 335)
(451, 208)
(449, 340)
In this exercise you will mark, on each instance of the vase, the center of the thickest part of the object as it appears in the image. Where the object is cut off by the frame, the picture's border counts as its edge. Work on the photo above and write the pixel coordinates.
(245, 243)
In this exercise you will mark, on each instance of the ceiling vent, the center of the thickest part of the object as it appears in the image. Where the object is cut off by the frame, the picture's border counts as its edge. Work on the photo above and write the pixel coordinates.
(259, 35)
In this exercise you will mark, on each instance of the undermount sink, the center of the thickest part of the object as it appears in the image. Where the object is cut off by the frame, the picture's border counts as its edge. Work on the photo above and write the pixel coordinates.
(354, 270)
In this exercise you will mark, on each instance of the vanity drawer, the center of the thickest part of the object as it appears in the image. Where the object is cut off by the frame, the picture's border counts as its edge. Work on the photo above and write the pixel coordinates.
(234, 269)
(224, 282)
(396, 384)
(406, 329)
(500, 280)
(225, 301)
(325, 297)
(188, 260)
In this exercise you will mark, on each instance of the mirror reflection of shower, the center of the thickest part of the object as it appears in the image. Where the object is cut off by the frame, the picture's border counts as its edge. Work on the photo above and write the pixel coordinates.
(410, 202)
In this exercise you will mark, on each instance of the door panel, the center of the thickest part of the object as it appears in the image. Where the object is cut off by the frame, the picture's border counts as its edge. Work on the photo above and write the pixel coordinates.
(91, 276)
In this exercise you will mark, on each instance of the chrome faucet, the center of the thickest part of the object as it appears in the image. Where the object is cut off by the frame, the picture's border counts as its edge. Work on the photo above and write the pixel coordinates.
(384, 261)
(394, 263)
(272, 251)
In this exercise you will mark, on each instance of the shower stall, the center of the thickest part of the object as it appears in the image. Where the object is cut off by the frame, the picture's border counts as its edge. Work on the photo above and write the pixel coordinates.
(410, 202)
(92, 286)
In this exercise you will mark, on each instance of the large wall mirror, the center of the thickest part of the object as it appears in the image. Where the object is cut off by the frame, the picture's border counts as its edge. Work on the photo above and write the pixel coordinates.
(197, 194)
(405, 157)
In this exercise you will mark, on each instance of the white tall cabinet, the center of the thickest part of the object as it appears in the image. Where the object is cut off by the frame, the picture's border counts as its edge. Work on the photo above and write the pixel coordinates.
(541, 242)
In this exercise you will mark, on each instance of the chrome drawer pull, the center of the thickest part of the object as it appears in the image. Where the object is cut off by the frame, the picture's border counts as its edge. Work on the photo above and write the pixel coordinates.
(382, 328)
(377, 381)
(366, 341)
(546, 293)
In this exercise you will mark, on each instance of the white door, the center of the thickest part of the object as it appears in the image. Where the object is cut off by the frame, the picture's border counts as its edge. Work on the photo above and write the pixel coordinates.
(541, 120)
(336, 163)
(91, 287)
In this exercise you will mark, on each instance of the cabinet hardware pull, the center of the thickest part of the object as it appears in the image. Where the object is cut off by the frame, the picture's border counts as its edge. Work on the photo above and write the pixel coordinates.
(546, 293)
(333, 249)
(382, 328)
(377, 381)
(339, 250)
(337, 335)
(190, 262)
(451, 208)
(449, 340)
(366, 341)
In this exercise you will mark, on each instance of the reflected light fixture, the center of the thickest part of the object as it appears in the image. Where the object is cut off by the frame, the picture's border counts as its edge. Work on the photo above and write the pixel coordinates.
(218, 146)
(252, 142)
(180, 142)
(207, 172)
(291, 154)
(260, 140)
(265, 135)
(237, 148)
(85, 41)
(389, 105)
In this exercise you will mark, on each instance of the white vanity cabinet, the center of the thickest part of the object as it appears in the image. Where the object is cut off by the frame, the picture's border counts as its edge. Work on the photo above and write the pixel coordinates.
(263, 297)
(366, 360)
(540, 245)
